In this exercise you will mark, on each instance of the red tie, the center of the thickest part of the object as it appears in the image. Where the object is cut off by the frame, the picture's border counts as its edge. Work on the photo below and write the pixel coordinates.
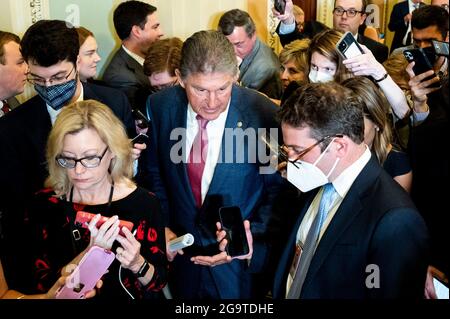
(5, 107)
(197, 159)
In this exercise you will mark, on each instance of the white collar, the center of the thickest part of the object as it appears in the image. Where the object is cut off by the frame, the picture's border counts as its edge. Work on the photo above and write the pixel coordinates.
(136, 57)
(345, 180)
(192, 115)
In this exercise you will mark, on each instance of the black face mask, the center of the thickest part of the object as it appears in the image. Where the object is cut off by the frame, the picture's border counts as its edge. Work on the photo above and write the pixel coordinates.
(431, 55)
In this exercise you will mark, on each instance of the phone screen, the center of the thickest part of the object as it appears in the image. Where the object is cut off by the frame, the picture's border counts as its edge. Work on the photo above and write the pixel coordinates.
(232, 223)
(348, 46)
(440, 289)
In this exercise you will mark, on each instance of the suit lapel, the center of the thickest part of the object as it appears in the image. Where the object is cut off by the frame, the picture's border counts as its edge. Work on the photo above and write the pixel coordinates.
(236, 118)
(135, 67)
(178, 118)
(349, 209)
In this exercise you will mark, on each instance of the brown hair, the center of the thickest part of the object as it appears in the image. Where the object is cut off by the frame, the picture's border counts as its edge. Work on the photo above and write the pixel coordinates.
(396, 65)
(324, 43)
(376, 109)
(163, 55)
(327, 109)
(6, 37)
(83, 34)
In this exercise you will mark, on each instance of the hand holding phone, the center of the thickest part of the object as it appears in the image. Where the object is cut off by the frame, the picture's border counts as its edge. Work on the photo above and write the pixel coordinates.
(142, 121)
(280, 5)
(232, 223)
(140, 139)
(82, 219)
(421, 63)
(85, 276)
(348, 47)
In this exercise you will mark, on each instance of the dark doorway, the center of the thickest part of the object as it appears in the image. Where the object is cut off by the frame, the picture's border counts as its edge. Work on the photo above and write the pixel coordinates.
(309, 7)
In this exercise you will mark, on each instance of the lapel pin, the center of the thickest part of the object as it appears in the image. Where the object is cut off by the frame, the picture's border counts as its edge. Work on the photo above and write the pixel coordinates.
(239, 124)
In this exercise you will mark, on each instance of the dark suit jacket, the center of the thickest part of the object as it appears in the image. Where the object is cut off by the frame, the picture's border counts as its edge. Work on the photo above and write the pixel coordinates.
(233, 184)
(126, 74)
(397, 24)
(379, 50)
(376, 224)
(23, 139)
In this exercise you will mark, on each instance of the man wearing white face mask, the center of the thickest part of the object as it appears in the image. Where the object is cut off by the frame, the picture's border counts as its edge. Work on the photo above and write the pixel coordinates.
(359, 236)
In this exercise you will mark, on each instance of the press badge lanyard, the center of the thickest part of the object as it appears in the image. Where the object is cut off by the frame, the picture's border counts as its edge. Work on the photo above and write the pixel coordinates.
(75, 233)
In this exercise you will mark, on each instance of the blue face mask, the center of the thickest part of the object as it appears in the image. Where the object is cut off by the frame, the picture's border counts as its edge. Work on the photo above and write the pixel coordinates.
(57, 95)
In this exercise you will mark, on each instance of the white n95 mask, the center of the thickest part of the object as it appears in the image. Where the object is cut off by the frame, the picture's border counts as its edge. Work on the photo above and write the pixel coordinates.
(319, 77)
(307, 176)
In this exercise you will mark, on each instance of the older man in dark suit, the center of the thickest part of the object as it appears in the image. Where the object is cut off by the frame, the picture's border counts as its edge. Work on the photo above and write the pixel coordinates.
(13, 71)
(204, 166)
(359, 235)
(137, 25)
(51, 49)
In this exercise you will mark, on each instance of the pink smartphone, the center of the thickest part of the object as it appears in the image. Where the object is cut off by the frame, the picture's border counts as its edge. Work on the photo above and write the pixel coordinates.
(89, 271)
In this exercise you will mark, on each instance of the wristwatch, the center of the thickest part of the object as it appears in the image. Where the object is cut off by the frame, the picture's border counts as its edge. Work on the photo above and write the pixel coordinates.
(143, 270)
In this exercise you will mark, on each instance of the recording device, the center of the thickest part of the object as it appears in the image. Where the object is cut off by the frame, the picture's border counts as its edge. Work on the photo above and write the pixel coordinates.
(89, 271)
(140, 138)
(440, 48)
(142, 121)
(421, 63)
(348, 47)
(280, 5)
(82, 219)
(232, 223)
(181, 242)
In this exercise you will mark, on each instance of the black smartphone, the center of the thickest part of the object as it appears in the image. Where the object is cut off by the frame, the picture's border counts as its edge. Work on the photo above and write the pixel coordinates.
(232, 223)
(421, 63)
(140, 138)
(348, 47)
(142, 121)
(440, 48)
(279, 5)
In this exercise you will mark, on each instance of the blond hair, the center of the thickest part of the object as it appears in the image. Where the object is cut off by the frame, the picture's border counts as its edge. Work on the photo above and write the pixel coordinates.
(297, 52)
(396, 65)
(93, 115)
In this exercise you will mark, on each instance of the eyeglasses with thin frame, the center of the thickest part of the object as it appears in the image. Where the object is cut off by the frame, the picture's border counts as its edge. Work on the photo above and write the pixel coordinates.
(350, 12)
(283, 150)
(53, 80)
(91, 161)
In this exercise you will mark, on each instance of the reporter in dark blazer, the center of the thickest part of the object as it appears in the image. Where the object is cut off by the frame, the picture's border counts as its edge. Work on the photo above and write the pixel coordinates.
(137, 26)
(374, 243)
(203, 271)
(51, 49)
(126, 74)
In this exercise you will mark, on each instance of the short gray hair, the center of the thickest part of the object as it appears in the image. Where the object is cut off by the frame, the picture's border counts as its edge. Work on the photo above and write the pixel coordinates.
(208, 52)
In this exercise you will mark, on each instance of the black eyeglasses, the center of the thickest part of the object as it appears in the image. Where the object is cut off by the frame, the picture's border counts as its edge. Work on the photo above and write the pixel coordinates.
(88, 161)
(350, 12)
(285, 149)
(53, 80)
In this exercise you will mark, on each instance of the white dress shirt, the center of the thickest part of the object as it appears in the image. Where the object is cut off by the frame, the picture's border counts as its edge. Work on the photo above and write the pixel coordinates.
(138, 59)
(342, 185)
(215, 131)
